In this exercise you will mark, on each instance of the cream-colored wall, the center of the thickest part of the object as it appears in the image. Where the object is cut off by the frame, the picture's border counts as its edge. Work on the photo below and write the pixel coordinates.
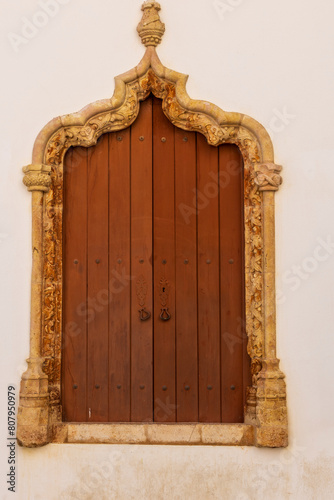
(271, 60)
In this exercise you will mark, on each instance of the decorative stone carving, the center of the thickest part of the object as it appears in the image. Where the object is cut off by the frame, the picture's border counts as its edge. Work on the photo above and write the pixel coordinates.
(37, 177)
(265, 408)
(188, 119)
(150, 28)
(33, 412)
(268, 176)
(271, 411)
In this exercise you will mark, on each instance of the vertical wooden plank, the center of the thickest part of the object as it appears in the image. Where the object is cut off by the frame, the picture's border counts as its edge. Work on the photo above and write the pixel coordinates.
(141, 265)
(208, 282)
(164, 266)
(232, 282)
(98, 294)
(74, 342)
(186, 276)
(119, 276)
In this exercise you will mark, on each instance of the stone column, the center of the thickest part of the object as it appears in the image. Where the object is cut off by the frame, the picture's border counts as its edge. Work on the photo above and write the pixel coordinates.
(271, 411)
(32, 417)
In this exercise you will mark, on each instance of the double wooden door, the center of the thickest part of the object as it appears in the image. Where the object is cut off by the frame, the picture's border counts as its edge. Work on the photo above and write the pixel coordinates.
(153, 314)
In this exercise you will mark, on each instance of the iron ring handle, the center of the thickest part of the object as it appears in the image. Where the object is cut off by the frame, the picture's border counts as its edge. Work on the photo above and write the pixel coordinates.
(165, 315)
(144, 315)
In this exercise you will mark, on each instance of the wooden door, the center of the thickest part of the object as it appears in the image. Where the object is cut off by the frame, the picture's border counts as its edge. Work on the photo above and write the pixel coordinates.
(153, 294)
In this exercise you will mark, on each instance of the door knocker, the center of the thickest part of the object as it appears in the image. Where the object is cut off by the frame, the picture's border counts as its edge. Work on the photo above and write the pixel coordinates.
(165, 315)
(144, 315)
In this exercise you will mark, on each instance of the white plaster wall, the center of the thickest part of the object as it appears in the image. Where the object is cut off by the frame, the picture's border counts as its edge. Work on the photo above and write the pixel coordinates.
(263, 58)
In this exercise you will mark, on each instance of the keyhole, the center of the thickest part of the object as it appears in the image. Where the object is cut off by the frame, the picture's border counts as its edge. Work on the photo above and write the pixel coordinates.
(163, 289)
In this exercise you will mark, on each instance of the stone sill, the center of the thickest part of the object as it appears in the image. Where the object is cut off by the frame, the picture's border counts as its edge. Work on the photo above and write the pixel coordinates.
(170, 434)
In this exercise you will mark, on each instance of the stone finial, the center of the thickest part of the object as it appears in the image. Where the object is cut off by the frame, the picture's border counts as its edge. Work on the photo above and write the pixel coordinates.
(37, 177)
(268, 177)
(150, 28)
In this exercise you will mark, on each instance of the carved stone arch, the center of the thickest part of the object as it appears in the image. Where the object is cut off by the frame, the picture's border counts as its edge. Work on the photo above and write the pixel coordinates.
(40, 419)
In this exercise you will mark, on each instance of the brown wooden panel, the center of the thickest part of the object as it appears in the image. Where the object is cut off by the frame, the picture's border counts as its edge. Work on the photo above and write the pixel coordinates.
(141, 265)
(232, 282)
(141, 197)
(119, 276)
(74, 360)
(98, 295)
(164, 266)
(208, 282)
(186, 276)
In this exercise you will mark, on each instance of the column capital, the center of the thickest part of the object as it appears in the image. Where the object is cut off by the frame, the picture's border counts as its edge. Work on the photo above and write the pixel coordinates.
(37, 177)
(267, 176)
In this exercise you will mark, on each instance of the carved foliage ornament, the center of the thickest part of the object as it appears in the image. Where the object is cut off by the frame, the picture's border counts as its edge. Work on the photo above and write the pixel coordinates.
(261, 177)
(268, 176)
(37, 177)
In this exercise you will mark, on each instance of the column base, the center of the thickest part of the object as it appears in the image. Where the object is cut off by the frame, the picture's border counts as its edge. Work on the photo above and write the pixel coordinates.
(271, 410)
(33, 411)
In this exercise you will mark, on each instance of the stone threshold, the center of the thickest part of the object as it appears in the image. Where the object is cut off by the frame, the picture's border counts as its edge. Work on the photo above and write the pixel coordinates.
(153, 433)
